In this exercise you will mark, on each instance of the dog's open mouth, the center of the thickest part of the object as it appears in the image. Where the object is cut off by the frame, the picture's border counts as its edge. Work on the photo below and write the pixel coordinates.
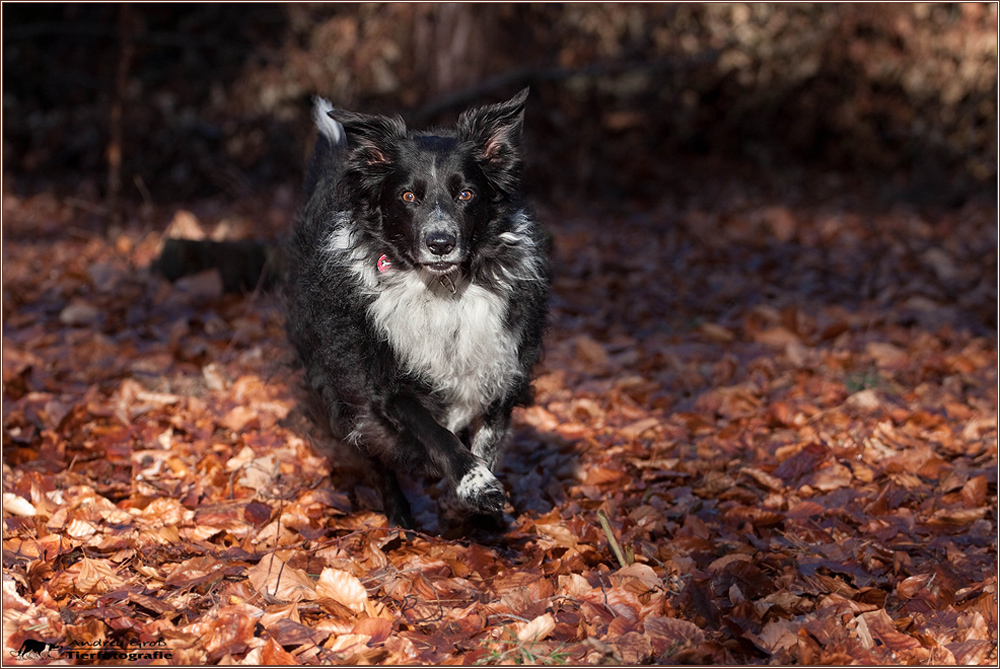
(440, 268)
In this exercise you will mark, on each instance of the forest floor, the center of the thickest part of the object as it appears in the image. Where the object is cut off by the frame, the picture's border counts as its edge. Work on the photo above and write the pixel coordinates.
(763, 434)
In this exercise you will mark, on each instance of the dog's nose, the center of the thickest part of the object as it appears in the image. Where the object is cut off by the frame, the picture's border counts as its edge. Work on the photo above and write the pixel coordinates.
(440, 243)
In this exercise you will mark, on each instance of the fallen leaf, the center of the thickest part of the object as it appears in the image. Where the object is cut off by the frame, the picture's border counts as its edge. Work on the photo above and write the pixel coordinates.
(276, 580)
(538, 629)
(974, 492)
(17, 505)
(637, 429)
(342, 587)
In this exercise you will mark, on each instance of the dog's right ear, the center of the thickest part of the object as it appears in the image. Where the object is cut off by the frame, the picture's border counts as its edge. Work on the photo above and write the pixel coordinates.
(368, 135)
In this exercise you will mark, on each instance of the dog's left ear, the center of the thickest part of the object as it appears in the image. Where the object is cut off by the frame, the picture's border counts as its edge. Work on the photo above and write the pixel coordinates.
(495, 130)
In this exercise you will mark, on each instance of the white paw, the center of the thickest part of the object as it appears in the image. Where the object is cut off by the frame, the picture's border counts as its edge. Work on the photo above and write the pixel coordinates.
(481, 491)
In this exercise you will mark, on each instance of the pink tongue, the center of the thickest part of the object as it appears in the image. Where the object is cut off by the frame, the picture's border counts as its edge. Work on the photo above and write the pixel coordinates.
(384, 263)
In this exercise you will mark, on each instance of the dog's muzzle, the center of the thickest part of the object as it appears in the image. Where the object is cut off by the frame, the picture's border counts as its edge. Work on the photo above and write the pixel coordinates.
(439, 254)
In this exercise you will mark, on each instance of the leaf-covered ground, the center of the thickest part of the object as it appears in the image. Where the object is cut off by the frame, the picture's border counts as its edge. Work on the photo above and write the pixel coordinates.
(764, 433)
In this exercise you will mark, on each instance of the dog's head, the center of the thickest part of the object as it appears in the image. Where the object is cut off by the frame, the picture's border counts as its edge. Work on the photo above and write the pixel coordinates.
(435, 194)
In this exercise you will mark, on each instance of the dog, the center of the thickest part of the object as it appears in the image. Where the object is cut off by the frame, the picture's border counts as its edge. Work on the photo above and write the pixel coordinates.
(417, 296)
(34, 649)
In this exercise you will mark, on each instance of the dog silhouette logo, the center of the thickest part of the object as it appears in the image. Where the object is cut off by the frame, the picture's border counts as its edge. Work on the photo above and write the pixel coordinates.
(33, 647)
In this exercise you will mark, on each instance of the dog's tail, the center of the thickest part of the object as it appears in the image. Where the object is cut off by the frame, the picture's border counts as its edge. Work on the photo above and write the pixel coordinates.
(329, 145)
(329, 129)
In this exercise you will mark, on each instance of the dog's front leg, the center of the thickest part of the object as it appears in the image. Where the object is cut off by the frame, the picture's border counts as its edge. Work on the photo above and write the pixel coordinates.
(489, 440)
(442, 452)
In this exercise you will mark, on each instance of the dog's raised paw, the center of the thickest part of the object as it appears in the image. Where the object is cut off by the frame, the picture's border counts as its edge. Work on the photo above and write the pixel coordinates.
(480, 491)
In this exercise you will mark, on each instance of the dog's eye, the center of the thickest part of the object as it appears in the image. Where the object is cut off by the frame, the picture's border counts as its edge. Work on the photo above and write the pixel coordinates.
(408, 196)
(465, 195)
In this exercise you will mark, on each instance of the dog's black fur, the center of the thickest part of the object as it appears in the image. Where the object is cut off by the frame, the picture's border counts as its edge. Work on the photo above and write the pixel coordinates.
(417, 295)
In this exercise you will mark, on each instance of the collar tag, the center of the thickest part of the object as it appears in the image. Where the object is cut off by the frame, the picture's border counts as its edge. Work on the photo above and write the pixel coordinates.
(384, 264)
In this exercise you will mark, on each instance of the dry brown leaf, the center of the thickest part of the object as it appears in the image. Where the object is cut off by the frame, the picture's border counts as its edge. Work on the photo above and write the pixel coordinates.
(238, 418)
(556, 530)
(638, 577)
(959, 516)
(163, 511)
(763, 478)
(343, 587)
(347, 643)
(720, 564)
(887, 356)
(227, 630)
(974, 492)
(538, 629)
(573, 585)
(276, 580)
(260, 473)
(831, 477)
(716, 332)
(601, 475)
(806, 509)
(80, 529)
(909, 587)
(666, 632)
(864, 400)
(272, 654)
(776, 337)
(971, 652)
(591, 352)
(637, 429)
(95, 577)
(836, 600)
(185, 225)
(633, 647)
(539, 418)
(378, 629)
(17, 505)
(779, 634)
(882, 628)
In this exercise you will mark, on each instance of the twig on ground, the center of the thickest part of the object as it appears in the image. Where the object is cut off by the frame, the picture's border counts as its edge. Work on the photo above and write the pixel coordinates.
(615, 546)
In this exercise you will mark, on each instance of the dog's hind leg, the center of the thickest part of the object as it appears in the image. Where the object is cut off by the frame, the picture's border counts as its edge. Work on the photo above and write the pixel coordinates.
(394, 503)
(471, 479)
(378, 444)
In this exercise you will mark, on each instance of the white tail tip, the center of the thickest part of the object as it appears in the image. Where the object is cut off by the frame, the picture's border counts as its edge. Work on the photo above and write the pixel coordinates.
(327, 126)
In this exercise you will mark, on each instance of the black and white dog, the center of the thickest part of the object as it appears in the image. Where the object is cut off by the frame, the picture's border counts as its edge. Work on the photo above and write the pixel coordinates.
(418, 295)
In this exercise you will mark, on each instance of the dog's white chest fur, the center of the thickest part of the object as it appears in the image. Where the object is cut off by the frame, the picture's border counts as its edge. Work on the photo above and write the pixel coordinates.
(456, 341)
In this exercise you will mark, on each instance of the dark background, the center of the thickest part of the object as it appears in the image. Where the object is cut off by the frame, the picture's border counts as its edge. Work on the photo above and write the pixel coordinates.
(630, 103)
